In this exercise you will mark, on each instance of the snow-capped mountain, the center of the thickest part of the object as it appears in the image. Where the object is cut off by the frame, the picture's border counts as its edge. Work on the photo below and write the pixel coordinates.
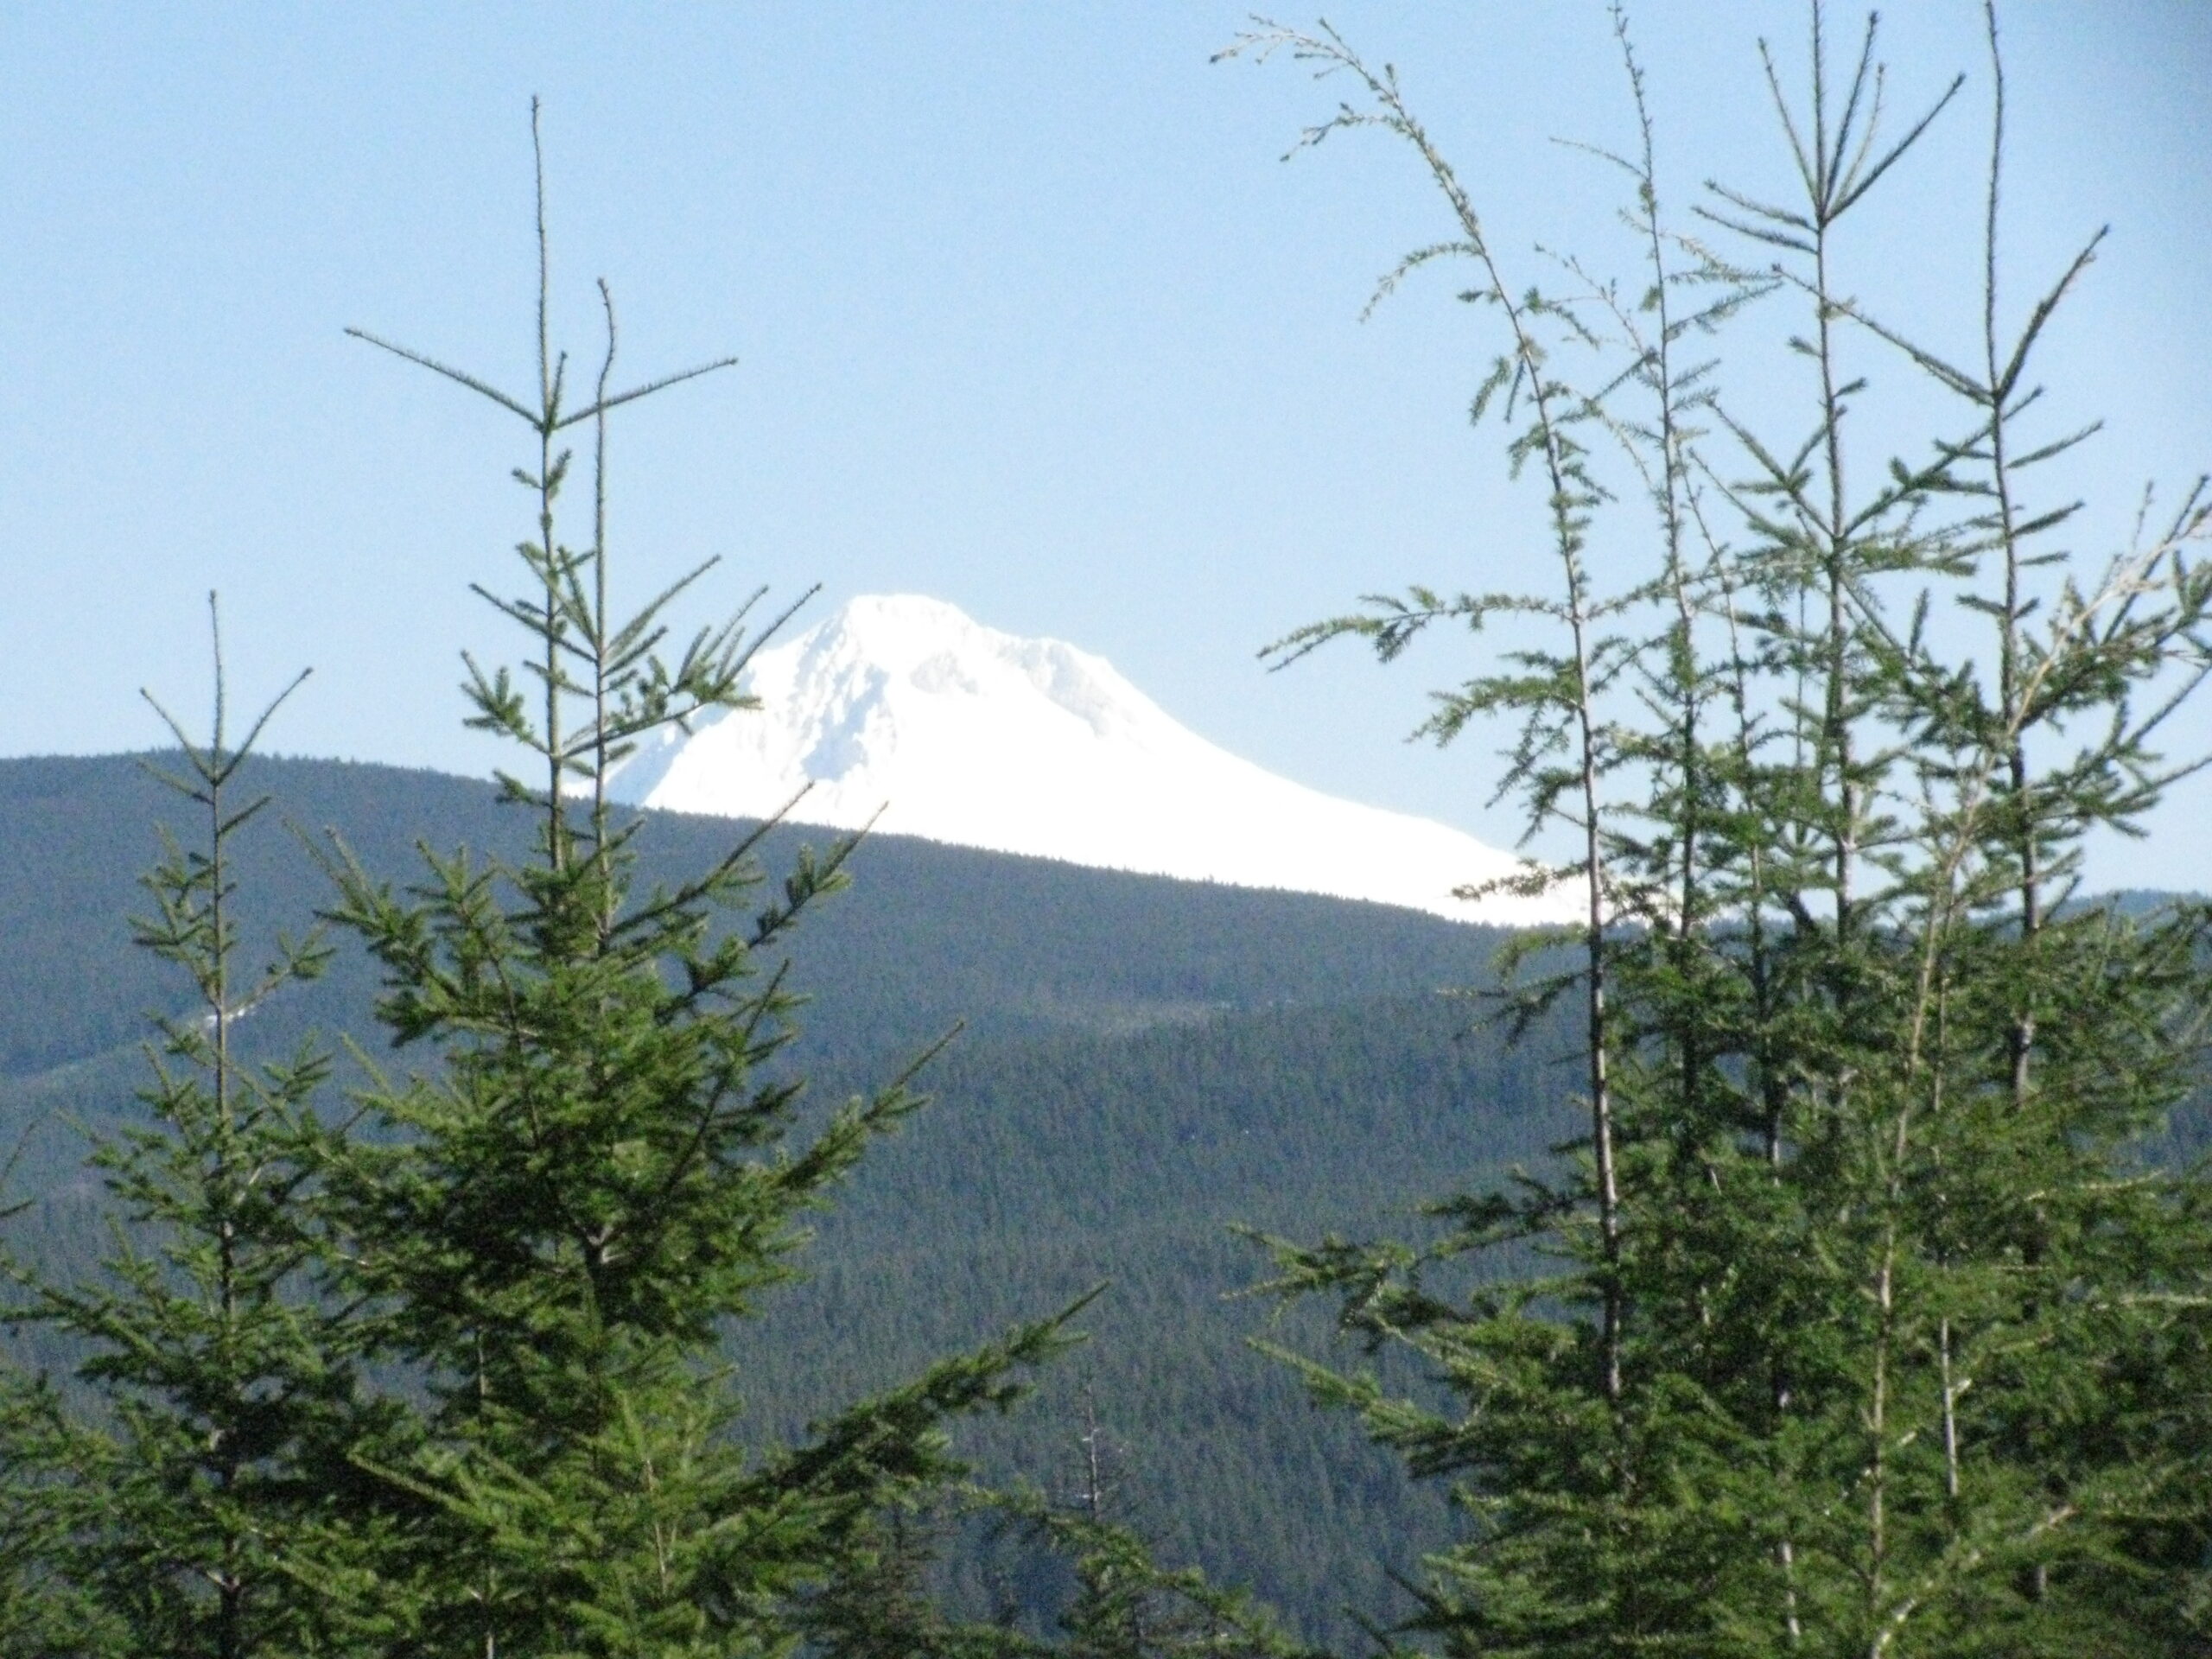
(960, 733)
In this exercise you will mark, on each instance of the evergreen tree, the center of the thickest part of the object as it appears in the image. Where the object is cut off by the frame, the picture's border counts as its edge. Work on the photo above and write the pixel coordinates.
(42, 1612)
(1857, 1322)
(1125, 1605)
(559, 1218)
(176, 1519)
(1109, 1597)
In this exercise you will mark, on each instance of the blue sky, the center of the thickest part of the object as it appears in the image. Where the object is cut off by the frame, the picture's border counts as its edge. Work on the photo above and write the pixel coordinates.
(1032, 318)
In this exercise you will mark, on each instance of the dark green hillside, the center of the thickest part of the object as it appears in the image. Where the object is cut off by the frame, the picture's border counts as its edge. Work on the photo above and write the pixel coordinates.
(1147, 1062)
(937, 933)
(1049, 1165)
(933, 934)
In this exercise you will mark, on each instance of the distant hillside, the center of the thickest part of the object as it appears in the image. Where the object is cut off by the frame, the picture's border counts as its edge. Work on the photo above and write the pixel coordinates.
(1146, 1062)
(935, 932)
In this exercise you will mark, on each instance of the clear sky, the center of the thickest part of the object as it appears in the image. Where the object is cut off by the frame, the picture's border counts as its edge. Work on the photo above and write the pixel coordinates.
(1032, 319)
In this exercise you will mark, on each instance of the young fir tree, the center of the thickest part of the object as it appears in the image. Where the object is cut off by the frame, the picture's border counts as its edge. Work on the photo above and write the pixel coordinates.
(560, 1216)
(1111, 1597)
(176, 1519)
(1859, 1322)
(1124, 1603)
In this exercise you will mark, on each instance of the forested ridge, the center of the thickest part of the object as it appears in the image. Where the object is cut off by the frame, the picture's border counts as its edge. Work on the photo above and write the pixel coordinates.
(948, 933)
(1144, 1063)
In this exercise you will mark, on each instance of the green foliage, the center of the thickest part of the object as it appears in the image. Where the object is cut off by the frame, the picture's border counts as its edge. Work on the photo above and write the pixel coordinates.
(1863, 1323)
(177, 1520)
(1147, 1061)
(1111, 1598)
(550, 1226)
(1014, 946)
(1127, 1606)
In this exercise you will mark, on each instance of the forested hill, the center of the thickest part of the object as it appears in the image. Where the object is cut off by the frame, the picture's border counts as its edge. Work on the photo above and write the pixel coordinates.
(1146, 1063)
(933, 934)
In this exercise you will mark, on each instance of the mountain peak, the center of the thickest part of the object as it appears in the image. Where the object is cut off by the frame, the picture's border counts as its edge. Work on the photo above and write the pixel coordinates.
(903, 624)
(905, 705)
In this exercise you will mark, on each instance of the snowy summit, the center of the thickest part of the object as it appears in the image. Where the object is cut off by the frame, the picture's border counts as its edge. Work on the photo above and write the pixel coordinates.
(960, 733)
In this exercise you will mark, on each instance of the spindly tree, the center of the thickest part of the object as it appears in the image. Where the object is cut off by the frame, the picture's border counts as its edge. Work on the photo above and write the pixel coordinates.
(560, 1217)
(177, 1516)
(1862, 1320)
(1109, 1597)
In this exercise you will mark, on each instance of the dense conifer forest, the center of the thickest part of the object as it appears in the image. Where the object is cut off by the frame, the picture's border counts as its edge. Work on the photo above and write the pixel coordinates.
(1144, 1063)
